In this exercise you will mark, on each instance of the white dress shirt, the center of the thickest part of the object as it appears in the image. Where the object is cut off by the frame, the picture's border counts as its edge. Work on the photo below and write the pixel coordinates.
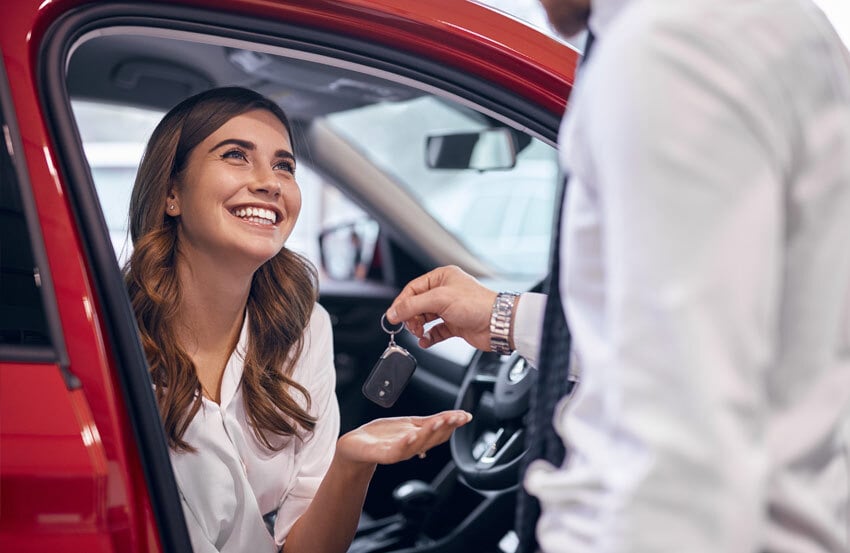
(706, 277)
(233, 480)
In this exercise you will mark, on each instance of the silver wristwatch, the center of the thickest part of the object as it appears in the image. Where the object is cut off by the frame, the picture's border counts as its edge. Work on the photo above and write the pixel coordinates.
(500, 322)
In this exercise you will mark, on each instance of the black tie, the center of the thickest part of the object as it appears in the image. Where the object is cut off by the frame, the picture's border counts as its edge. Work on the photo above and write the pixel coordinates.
(552, 383)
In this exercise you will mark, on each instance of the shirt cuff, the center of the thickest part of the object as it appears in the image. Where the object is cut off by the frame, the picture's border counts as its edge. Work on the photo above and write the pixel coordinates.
(528, 324)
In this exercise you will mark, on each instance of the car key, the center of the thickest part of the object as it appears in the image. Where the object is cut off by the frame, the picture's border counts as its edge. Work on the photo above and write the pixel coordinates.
(391, 373)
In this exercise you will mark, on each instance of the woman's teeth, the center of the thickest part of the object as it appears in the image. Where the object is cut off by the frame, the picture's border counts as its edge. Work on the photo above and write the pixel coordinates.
(256, 215)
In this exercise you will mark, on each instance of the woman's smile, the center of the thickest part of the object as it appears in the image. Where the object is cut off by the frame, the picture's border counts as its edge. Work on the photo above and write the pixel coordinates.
(261, 216)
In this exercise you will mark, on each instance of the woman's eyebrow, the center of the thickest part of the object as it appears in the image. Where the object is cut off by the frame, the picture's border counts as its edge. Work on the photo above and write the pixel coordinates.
(285, 154)
(241, 143)
(248, 145)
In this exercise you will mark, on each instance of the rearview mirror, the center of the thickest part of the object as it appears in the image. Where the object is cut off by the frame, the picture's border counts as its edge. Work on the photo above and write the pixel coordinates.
(485, 150)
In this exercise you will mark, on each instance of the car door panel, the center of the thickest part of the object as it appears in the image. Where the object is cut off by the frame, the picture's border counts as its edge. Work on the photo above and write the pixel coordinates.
(103, 348)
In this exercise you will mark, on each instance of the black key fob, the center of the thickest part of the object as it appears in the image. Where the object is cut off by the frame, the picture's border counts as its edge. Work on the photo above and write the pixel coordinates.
(389, 376)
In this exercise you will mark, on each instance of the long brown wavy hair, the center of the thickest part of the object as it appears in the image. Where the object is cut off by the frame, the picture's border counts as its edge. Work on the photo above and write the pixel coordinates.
(283, 290)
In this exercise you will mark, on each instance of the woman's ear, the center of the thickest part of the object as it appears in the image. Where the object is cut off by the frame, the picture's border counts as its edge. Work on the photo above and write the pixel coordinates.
(172, 204)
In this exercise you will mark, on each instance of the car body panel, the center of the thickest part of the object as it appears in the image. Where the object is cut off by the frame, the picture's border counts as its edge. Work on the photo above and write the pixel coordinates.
(58, 455)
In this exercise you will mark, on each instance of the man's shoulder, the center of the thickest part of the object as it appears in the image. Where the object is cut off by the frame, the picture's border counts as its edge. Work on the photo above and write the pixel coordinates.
(747, 40)
(719, 22)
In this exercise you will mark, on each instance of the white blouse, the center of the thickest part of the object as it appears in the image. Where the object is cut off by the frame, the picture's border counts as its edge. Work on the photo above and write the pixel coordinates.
(232, 480)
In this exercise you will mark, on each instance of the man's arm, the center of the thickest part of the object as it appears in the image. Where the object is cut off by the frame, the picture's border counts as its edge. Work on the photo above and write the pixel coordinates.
(465, 307)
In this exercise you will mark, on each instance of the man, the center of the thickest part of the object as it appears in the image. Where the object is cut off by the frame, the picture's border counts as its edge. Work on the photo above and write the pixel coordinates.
(706, 279)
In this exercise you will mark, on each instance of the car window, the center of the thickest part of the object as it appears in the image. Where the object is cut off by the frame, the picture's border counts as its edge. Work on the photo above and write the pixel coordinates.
(345, 118)
(22, 316)
(476, 206)
(114, 139)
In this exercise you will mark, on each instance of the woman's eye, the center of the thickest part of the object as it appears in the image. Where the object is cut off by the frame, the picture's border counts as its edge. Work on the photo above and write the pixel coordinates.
(234, 154)
(285, 165)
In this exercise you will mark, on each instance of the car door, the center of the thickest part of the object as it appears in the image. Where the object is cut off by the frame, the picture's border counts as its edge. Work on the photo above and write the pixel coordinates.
(152, 55)
(73, 469)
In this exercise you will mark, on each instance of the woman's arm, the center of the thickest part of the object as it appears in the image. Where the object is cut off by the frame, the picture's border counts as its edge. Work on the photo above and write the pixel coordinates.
(329, 523)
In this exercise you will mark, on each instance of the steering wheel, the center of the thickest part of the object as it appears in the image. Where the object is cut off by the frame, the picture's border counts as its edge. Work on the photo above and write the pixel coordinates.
(489, 450)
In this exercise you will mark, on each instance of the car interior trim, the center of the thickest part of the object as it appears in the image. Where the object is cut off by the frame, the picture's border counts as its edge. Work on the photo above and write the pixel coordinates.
(331, 48)
(336, 59)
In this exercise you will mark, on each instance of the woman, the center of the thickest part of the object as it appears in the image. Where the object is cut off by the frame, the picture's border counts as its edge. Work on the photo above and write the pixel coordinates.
(240, 353)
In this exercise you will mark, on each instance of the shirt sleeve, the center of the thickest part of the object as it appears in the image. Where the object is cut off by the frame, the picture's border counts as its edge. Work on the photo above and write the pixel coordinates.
(528, 324)
(665, 431)
(314, 455)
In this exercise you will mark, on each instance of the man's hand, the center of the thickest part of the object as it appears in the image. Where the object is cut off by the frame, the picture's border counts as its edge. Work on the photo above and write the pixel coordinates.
(449, 294)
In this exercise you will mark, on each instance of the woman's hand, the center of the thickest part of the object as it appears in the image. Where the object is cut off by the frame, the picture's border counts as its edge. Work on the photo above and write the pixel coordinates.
(387, 441)
(330, 521)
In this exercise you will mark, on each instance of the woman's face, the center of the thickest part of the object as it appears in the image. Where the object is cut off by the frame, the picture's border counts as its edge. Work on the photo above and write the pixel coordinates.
(237, 198)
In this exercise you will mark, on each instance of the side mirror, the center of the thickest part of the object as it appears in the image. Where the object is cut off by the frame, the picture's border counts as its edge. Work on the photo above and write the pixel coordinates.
(486, 150)
(347, 250)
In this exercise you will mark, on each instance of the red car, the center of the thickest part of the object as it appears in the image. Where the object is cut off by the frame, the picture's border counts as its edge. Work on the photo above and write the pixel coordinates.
(403, 113)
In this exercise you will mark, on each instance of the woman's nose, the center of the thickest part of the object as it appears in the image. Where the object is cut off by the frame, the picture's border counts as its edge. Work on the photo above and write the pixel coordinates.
(266, 182)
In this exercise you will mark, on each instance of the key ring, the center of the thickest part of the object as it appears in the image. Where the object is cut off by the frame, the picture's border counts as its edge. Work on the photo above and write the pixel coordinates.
(392, 333)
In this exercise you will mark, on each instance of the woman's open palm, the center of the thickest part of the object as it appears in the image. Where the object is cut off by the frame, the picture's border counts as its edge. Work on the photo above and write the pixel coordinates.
(390, 440)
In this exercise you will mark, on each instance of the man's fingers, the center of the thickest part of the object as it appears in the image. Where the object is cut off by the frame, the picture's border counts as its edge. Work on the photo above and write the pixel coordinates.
(402, 310)
(416, 325)
(430, 303)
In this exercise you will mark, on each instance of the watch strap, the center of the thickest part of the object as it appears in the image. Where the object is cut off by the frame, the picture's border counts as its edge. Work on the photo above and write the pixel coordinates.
(501, 319)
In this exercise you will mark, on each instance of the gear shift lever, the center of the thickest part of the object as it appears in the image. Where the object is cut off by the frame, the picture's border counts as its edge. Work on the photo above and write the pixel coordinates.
(414, 500)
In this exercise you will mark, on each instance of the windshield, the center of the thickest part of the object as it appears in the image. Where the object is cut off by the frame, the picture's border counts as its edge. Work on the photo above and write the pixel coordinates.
(503, 216)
